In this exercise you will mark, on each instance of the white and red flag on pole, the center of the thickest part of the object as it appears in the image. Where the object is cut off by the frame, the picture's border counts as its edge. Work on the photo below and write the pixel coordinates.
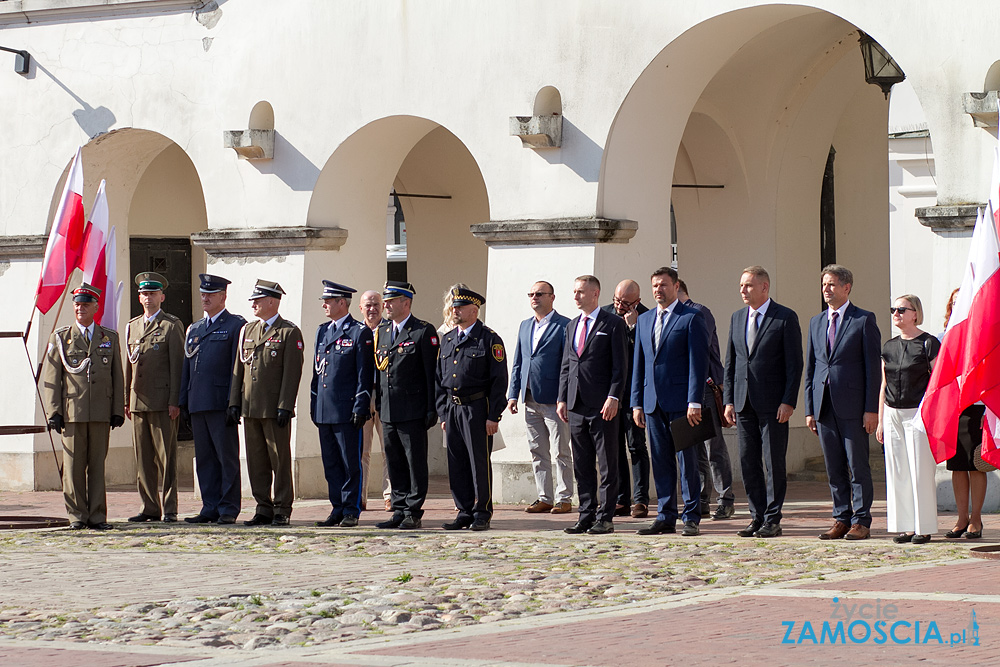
(111, 301)
(967, 368)
(65, 246)
(94, 262)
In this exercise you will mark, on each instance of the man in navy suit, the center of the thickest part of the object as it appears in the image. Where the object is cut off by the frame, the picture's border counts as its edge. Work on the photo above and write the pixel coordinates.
(209, 355)
(763, 371)
(534, 378)
(668, 382)
(591, 385)
(843, 377)
(341, 390)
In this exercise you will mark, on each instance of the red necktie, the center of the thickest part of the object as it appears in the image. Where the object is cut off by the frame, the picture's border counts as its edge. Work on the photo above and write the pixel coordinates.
(581, 340)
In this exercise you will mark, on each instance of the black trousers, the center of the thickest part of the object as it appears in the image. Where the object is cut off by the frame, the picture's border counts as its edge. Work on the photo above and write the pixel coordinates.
(763, 445)
(469, 471)
(595, 450)
(405, 447)
(632, 443)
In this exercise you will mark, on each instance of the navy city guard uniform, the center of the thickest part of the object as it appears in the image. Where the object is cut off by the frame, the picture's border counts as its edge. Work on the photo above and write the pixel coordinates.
(340, 402)
(471, 390)
(210, 348)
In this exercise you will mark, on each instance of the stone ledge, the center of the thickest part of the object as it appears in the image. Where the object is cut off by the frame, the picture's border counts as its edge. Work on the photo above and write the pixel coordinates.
(32, 11)
(23, 247)
(559, 231)
(982, 107)
(945, 218)
(269, 241)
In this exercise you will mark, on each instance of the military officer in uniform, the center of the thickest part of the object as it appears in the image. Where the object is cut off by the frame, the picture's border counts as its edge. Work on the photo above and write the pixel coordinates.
(265, 381)
(155, 345)
(471, 396)
(210, 349)
(405, 355)
(84, 396)
(340, 401)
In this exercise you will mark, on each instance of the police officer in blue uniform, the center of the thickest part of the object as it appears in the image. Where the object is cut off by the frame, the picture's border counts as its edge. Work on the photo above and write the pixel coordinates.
(340, 401)
(471, 396)
(210, 347)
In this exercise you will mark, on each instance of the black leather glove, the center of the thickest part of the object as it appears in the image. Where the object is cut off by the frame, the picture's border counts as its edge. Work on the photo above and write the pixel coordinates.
(358, 420)
(56, 423)
(232, 416)
(116, 421)
(432, 419)
(284, 418)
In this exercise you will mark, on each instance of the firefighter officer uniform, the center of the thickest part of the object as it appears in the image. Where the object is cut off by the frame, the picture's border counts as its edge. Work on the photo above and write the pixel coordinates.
(155, 346)
(265, 382)
(210, 349)
(471, 396)
(84, 396)
(340, 401)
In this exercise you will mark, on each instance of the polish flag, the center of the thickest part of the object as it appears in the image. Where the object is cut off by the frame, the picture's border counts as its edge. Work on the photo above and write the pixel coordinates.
(95, 238)
(112, 300)
(64, 249)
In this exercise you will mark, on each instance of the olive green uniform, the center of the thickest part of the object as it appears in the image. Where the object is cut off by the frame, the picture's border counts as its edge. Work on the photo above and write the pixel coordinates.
(83, 382)
(153, 378)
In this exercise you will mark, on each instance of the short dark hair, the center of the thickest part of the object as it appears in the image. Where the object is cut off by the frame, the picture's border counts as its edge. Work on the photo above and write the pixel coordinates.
(665, 271)
(589, 279)
(683, 286)
(547, 284)
(841, 273)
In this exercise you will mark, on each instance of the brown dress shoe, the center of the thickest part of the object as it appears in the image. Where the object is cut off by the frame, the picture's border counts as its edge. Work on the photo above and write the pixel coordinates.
(561, 508)
(538, 507)
(858, 532)
(640, 510)
(838, 531)
(388, 505)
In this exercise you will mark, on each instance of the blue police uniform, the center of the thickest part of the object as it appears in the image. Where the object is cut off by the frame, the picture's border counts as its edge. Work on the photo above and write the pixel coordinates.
(209, 355)
(341, 390)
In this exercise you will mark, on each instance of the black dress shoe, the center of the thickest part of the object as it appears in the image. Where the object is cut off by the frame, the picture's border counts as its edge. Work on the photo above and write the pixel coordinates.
(580, 527)
(258, 520)
(198, 518)
(410, 523)
(769, 530)
(958, 532)
(459, 523)
(690, 529)
(103, 525)
(349, 521)
(480, 524)
(903, 538)
(973, 534)
(657, 528)
(623, 510)
(169, 518)
(280, 520)
(333, 520)
(921, 539)
(77, 525)
(602, 528)
(751, 528)
(391, 523)
(141, 518)
(225, 519)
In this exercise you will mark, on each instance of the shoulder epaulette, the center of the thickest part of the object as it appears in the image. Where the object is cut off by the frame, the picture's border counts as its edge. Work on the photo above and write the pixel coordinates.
(63, 329)
(171, 318)
(136, 319)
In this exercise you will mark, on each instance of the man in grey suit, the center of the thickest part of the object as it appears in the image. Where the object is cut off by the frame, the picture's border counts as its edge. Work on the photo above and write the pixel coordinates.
(843, 379)
(534, 378)
(763, 370)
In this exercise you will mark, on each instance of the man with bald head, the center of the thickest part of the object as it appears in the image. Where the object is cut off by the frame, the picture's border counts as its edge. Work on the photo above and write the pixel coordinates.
(370, 305)
(631, 438)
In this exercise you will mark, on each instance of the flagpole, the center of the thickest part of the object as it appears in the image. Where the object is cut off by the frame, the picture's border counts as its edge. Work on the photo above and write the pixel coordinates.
(55, 323)
(41, 401)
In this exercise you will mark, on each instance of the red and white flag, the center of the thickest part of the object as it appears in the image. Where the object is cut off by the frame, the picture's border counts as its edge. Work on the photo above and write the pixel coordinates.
(64, 249)
(112, 300)
(94, 261)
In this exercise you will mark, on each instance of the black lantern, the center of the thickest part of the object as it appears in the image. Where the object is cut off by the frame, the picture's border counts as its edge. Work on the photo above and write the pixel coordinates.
(22, 60)
(880, 69)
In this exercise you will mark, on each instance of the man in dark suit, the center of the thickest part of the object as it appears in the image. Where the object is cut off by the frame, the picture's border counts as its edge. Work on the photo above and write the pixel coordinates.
(340, 401)
(631, 438)
(591, 384)
(763, 371)
(668, 382)
(534, 378)
(406, 351)
(843, 377)
(210, 348)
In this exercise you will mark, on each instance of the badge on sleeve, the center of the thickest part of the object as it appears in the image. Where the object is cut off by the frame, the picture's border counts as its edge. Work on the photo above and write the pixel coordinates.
(498, 352)
(434, 341)
(299, 345)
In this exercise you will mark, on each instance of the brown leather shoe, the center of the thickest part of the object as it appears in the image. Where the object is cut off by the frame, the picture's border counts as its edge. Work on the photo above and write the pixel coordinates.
(640, 510)
(838, 531)
(388, 505)
(538, 507)
(561, 508)
(858, 532)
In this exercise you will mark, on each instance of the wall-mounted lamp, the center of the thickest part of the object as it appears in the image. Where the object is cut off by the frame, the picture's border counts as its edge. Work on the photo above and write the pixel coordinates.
(22, 59)
(880, 69)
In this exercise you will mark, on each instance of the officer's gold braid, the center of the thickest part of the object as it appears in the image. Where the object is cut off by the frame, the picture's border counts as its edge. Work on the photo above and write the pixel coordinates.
(384, 363)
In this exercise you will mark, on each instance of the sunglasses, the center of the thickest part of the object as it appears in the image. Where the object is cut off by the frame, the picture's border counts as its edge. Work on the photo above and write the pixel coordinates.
(532, 295)
(900, 310)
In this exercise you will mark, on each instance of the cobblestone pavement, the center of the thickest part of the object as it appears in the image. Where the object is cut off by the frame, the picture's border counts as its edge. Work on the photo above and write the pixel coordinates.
(525, 593)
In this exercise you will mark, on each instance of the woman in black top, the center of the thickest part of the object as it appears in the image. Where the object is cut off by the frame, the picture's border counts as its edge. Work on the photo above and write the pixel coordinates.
(911, 503)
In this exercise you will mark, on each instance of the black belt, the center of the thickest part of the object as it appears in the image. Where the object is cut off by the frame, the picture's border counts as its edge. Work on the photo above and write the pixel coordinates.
(466, 400)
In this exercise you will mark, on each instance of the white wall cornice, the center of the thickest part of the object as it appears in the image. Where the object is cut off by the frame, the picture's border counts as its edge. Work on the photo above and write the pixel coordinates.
(13, 12)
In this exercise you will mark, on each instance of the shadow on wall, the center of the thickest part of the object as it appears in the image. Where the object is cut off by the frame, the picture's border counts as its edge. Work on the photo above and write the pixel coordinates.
(578, 152)
(93, 122)
(290, 165)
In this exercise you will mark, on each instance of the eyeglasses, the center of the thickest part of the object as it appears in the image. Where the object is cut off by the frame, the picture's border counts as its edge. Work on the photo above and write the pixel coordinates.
(623, 302)
(900, 310)
(532, 295)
